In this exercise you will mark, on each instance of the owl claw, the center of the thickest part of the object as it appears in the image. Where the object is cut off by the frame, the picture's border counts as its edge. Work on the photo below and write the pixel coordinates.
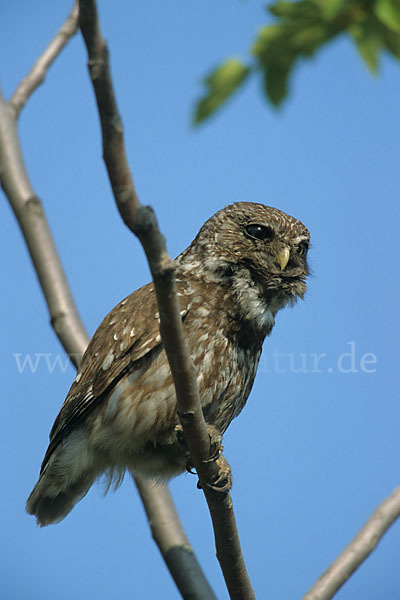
(190, 468)
(223, 481)
(216, 446)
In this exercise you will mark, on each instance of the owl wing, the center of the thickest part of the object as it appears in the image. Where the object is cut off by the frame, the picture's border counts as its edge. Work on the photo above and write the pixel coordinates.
(127, 334)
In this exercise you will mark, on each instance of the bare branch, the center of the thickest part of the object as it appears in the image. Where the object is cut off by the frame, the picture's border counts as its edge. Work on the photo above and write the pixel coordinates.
(142, 222)
(171, 539)
(30, 215)
(358, 550)
(38, 73)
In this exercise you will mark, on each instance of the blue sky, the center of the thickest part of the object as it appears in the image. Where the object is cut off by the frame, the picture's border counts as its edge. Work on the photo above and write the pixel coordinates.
(315, 449)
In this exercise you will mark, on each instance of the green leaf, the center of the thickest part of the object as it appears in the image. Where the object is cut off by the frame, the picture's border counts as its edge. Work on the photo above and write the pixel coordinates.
(307, 39)
(294, 11)
(368, 41)
(388, 11)
(392, 42)
(279, 46)
(221, 84)
(269, 42)
(302, 27)
(284, 9)
(276, 83)
(226, 77)
(278, 43)
(331, 8)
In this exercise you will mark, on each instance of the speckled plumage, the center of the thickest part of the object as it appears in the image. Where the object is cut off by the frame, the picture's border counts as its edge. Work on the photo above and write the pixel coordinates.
(247, 262)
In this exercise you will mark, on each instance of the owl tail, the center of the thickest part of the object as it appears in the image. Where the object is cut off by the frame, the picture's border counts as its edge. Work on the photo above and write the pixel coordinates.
(50, 507)
(65, 479)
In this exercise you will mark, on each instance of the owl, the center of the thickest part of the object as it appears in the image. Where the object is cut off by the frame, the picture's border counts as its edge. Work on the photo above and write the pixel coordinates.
(246, 263)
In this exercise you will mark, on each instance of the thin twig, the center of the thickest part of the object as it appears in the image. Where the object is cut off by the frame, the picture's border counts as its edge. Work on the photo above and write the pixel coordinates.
(39, 70)
(142, 222)
(29, 212)
(358, 550)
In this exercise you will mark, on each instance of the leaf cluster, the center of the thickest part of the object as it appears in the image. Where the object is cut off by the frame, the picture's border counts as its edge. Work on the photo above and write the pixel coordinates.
(301, 29)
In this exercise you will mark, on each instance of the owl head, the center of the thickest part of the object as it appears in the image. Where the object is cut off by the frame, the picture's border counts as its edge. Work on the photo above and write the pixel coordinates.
(262, 242)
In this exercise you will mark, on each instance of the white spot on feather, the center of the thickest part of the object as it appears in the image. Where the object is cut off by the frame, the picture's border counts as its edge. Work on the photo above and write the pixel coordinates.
(108, 361)
(202, 338)
(146, 344)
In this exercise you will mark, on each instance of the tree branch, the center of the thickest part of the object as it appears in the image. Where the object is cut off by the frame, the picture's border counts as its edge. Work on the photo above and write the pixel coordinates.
(171, 539)
(142, 222)
(38, 73)
(358, 550)
(30, 215)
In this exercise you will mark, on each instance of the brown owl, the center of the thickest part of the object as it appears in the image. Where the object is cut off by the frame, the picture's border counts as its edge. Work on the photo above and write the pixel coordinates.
(247, 262)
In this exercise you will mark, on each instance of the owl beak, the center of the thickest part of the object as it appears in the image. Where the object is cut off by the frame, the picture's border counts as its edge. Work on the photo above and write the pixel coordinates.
(283, 257)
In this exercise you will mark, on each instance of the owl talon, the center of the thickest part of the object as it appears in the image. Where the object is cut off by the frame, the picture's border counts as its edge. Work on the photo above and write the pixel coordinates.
(223, 481)
(216, 446)
(215, 453)
(190, 468)
(221, 486)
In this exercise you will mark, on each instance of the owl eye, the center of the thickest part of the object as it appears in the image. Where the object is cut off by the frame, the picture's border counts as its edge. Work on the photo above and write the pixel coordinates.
(302, 248)
(260, 232)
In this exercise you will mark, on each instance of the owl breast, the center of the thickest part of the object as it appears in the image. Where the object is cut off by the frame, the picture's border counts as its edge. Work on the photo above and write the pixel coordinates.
(135, 426)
